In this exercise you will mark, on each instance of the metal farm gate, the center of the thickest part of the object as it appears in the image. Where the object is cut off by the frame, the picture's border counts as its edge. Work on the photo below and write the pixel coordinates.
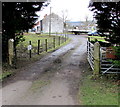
(105, 65)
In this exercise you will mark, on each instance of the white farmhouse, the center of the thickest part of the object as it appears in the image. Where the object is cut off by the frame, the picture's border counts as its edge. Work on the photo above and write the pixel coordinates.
(54, 21)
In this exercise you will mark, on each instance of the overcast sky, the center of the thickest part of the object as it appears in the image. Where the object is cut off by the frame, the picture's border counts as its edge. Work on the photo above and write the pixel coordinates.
(76, 10)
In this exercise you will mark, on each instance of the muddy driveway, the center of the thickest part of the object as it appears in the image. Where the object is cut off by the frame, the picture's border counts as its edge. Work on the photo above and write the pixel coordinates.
(53, 80)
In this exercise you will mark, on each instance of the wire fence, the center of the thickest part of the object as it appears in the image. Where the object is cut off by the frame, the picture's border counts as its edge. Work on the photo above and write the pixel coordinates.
(41, 45)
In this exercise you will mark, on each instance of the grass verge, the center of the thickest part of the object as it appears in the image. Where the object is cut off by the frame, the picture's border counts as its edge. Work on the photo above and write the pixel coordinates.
(101, 91)
(4, 75)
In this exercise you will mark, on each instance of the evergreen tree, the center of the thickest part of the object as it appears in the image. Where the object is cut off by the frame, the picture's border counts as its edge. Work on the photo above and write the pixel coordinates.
(107, 15)
(17, 17)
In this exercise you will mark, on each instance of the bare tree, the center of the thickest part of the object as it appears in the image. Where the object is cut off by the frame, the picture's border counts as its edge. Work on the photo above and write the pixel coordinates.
(64, 17)
(86, 22)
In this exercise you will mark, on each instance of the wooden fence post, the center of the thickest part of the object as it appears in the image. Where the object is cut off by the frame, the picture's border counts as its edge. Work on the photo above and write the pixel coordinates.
(30, 49)
(96, 58)
(11, 50)
(65, 37)
(15, 54)
(59, 41)
(88, 46)
(46, 45)
(38, 47)
(54, 42)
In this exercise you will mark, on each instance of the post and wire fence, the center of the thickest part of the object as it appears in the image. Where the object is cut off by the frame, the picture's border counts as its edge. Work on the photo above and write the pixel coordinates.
(43, 45)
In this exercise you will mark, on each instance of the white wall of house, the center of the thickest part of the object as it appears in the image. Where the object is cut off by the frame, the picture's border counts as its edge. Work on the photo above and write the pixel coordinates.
(56, 24)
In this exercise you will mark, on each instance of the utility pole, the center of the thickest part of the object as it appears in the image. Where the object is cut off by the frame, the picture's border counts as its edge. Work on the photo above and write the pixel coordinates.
(50, 23)
(63, 23)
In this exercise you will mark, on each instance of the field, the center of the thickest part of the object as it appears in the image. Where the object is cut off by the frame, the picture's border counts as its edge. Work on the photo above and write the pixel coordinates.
(100, 91)
(34, 41)
(46, 44)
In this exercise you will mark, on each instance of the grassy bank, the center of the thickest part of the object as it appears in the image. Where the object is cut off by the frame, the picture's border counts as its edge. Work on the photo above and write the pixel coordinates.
(102, 91)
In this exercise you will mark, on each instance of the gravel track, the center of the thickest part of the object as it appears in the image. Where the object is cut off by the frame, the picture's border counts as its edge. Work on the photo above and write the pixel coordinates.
(53, 80)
